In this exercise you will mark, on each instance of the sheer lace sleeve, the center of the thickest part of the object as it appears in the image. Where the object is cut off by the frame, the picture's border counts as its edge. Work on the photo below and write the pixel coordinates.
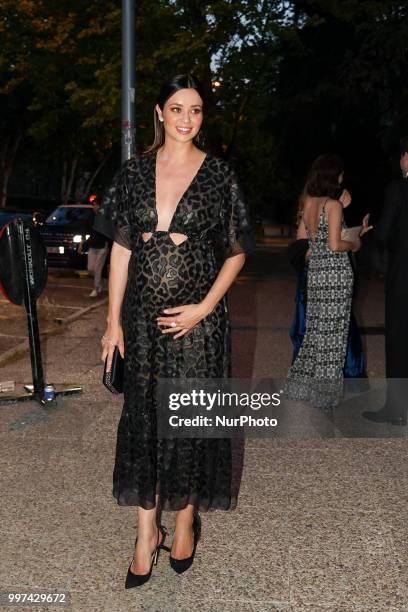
(113, 217)
(238, 233)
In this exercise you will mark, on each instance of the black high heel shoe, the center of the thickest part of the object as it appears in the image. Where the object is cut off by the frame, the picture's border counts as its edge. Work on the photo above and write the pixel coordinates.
(181, 565)
(134, 580)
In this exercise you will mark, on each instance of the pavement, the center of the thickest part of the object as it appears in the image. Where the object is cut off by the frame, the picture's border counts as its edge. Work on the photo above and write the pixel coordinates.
(65, 298)
(321, 518)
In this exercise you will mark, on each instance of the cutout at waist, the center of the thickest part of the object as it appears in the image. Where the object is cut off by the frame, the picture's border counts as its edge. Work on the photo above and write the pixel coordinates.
(175, 237)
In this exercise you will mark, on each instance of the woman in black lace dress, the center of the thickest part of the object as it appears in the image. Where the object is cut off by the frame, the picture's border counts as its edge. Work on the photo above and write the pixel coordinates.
(173, 212)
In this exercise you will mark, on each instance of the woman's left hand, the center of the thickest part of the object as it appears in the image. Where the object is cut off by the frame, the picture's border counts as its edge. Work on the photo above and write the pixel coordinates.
(181, 319)
(366, 228)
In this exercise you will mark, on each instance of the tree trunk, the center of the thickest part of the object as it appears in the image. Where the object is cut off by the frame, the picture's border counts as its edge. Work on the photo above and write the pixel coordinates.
(237, 119)
(95, 174)
(72, 176)
(67, 182)
(7, 157)
(64, 180)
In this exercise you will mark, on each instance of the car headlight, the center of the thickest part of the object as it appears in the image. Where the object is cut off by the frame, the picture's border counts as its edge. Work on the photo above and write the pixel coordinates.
(87, 236)
(77, 238)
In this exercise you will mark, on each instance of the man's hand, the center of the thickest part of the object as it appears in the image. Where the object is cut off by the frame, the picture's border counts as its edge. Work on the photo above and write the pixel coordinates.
(366, 228)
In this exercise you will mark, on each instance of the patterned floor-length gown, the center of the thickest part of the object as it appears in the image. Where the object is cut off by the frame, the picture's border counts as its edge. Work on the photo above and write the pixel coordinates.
(213, 216)
(317, 373)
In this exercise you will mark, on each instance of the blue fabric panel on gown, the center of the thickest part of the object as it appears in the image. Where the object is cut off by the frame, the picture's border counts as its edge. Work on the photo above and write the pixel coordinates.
(354, 366)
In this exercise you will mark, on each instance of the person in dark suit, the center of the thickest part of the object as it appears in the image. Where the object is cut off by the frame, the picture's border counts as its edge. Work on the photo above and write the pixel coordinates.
(391, 234)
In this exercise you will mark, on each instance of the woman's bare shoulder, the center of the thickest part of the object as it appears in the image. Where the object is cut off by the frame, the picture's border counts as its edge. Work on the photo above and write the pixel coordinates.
(332, 204)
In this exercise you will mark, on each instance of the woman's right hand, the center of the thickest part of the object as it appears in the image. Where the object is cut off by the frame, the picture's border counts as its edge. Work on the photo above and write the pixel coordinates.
(112, 337)
(356, 245)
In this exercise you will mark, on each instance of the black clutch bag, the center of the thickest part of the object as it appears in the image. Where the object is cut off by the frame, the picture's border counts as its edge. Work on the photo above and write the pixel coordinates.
(113, 380)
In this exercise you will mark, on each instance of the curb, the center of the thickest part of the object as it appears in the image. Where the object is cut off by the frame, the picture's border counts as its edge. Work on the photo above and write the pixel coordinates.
(24, 347)
(82, 311)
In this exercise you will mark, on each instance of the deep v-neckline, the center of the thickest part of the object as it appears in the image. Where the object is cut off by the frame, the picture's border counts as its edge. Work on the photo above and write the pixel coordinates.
(184, 194)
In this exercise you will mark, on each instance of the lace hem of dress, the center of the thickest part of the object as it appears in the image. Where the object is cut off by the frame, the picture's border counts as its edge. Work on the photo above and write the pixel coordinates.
(324, 394)
(130, 497)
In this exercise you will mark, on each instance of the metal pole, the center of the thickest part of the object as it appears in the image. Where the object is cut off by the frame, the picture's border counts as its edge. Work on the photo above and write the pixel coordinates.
(27, 278)
(31, 308)
(128, 79)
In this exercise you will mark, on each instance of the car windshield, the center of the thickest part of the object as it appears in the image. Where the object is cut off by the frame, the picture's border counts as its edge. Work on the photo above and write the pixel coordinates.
(6, 216)
(68, 215)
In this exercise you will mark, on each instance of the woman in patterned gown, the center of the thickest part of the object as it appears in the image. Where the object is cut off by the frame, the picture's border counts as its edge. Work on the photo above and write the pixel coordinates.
(354, 365)
(175, 213)
(317, 372)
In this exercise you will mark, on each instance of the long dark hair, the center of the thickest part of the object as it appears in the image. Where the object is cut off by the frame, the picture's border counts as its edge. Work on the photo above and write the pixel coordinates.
(323, 177)
(169, 87)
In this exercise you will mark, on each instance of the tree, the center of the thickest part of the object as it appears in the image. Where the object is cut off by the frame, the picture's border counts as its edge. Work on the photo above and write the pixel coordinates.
(15, 93)
(294, 77)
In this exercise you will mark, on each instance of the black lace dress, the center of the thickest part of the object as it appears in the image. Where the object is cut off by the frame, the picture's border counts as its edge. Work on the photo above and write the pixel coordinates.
(213, 216)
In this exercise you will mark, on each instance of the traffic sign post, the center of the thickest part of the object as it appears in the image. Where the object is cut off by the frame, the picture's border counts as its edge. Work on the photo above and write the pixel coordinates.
(23, 274)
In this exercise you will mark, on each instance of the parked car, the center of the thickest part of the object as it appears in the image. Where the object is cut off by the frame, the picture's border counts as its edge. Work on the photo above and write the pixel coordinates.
(8, 214)
(63, 230)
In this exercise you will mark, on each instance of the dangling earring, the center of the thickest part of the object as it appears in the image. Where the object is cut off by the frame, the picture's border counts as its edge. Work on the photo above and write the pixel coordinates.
(161, 118)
